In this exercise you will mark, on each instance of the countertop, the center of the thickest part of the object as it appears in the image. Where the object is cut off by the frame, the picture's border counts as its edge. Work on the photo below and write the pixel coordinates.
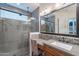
(74, 51)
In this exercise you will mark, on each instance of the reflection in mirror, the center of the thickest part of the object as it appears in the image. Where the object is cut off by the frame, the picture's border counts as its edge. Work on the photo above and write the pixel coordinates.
(48, 24)
(72, 26)
(61, 21)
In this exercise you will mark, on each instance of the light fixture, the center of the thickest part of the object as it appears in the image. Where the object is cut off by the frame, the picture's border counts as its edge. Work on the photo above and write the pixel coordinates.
(46, 11)
(18, 3)
(60, 5)
(57, 5)
(32, 18)
(28, 9)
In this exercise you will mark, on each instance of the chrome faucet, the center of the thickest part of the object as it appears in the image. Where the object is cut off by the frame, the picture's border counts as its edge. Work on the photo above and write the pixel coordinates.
(63, 39)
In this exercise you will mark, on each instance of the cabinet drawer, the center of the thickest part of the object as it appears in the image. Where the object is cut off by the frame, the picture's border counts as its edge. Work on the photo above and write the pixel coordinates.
(53, 51)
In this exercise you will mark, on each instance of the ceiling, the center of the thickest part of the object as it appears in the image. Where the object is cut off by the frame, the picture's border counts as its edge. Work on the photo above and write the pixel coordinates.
(32, 6)
(44, 8)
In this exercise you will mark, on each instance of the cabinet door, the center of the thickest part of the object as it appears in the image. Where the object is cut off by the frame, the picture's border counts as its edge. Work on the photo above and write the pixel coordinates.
(53, 51)
(34, 48)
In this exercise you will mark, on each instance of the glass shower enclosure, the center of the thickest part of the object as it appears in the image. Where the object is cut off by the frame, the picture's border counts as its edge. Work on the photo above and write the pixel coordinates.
(14, 34)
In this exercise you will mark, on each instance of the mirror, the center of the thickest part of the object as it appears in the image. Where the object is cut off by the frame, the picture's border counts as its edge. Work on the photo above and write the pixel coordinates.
(61, 21)
(48, 24)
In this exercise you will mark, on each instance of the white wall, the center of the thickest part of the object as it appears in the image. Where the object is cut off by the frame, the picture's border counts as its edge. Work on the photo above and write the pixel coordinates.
(63, 16)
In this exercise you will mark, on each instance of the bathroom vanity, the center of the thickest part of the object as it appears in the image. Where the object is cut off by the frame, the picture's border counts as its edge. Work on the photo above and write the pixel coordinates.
(55, 45)
(48, 50)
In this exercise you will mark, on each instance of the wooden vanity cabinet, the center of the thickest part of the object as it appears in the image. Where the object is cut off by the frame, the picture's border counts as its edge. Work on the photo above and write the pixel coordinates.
(51, 51)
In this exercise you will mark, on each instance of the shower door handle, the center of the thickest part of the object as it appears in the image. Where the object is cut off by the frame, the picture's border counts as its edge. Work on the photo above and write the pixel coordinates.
(5, 27)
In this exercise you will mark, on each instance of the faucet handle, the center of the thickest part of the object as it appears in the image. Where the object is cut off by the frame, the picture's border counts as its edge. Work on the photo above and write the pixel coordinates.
(62, 39)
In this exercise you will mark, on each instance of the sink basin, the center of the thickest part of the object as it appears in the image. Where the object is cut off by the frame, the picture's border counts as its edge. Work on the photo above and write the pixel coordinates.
(62, 45)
